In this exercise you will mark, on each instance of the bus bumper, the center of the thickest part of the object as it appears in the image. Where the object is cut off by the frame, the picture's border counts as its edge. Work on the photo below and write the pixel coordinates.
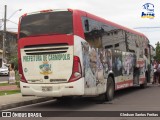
(75, 88)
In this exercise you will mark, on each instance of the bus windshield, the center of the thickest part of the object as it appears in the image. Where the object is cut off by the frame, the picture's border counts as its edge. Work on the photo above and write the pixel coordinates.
(46, 23)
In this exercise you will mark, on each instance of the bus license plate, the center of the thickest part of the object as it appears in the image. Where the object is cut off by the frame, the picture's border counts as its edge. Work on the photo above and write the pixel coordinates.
(46, 88)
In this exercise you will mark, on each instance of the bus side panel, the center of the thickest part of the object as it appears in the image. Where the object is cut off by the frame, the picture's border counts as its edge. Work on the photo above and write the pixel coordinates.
(77, 24)
(123, 67)
(97, 64)
(141, 64)
(78, 52)
(128, 70)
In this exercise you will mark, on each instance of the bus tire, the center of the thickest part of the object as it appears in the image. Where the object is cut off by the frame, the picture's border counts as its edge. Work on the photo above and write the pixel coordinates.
(110, 89)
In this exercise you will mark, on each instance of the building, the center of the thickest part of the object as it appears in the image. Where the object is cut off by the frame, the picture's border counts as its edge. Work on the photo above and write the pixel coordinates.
(10, 45)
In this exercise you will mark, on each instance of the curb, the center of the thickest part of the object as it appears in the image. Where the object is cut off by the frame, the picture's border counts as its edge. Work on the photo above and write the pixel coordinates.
(3, 82)
(18, 104)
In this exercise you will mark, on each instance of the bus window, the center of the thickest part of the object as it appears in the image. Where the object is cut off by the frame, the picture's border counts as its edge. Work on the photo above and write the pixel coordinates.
(46, 23)
(93, 32)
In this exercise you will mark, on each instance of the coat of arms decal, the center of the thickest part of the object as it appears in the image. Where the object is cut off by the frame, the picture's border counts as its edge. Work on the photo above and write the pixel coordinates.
(45, 68)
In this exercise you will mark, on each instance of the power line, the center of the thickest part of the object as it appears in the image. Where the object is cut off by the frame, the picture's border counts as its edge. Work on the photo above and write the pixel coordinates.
(146, 28)
(10, 17)
(12, 22)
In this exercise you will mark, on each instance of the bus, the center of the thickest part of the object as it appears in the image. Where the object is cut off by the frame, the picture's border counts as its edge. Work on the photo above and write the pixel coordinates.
(65, 52)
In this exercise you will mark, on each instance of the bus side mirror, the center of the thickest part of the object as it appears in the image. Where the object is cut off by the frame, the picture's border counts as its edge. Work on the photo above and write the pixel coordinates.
(86, 23)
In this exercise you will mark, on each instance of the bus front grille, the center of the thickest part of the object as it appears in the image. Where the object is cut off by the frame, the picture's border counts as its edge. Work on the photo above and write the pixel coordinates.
(46, 49)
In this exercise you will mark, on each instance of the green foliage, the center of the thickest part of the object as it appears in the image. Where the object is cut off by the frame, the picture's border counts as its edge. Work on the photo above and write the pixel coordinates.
(3, 84)
(8, 92)
(14, 60)
(157, 57)
(17, 77)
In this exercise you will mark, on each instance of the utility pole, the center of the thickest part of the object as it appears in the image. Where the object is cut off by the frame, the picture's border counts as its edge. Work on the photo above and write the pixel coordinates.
(4, 34)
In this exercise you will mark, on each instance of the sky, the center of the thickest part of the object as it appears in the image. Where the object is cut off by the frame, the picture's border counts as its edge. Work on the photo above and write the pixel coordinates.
(124, 12)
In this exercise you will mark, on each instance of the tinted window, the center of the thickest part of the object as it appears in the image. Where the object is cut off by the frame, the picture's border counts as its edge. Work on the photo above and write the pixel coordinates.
(46, 23)
(93, 32)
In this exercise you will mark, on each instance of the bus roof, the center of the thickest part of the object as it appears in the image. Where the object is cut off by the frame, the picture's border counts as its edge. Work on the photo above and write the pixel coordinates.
(93, 17)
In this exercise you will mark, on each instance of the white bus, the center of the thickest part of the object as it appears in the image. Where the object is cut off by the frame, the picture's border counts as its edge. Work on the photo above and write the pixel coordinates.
(69, 52)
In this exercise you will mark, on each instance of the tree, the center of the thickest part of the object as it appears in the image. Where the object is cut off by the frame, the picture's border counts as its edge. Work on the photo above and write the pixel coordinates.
(14, 60)
(157, 57)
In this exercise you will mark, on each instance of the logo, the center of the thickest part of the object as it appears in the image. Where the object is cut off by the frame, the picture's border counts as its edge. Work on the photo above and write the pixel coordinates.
(45, 68)
(25, 70)
(21, 114)
(6, 114)
(148, 11)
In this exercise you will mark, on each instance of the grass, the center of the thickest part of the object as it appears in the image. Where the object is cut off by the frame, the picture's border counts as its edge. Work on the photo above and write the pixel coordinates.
(8, 92)
(4, 84)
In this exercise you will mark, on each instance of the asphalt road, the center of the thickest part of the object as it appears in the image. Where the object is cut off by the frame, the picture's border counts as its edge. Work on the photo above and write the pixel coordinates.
(132, 99)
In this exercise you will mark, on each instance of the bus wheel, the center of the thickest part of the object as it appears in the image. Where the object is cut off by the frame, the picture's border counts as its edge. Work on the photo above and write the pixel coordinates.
(110, 89)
